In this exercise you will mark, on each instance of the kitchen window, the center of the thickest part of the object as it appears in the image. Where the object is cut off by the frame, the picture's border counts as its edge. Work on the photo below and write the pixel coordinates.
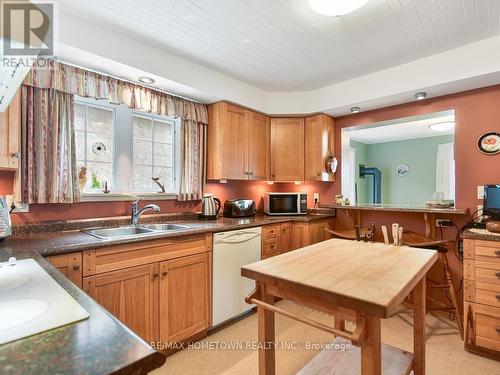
(125, 149)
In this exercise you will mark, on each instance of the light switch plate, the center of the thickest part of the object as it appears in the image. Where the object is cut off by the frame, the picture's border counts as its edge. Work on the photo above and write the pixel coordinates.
(20, 207)
(316, 197)
(480, 192)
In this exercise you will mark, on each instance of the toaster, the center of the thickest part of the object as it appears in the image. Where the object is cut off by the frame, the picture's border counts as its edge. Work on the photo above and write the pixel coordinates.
(239, 208)
(5, 223)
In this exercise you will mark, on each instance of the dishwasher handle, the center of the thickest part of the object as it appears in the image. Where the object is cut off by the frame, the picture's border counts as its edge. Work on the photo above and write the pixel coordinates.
(239, 237)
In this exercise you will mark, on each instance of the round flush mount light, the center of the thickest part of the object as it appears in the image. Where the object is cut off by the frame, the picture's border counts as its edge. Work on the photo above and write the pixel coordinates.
(442, 126)
(335, 8)
(146, 80)
(355, 109)
(421, 95)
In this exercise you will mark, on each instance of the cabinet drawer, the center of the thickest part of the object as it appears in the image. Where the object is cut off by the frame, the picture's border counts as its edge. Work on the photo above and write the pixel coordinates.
(270, 231)
(488, 330)
(270, 248)
(491, 251)
(488, 297)
(487, 272)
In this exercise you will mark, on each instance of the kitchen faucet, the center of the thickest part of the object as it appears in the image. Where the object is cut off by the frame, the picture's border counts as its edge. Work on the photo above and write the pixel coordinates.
(136, 212)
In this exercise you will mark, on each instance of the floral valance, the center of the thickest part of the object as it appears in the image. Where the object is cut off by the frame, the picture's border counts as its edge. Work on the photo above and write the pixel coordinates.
(48, 73)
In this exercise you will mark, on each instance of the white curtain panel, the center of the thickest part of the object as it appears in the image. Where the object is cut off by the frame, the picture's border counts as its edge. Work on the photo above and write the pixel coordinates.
(349, 174)
(445, 170)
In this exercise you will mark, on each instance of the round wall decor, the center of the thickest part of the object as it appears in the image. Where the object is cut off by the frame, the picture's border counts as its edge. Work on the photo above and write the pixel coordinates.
(402, 170)
(489, 143)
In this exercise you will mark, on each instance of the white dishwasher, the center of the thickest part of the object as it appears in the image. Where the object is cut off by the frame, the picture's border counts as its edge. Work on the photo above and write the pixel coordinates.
(231, 251)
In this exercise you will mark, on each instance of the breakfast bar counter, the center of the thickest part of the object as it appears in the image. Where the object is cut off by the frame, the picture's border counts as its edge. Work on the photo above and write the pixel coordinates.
(355, 281)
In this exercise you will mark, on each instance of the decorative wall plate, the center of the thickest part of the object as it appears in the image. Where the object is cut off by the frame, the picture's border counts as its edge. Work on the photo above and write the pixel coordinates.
(489, 143)
(402, 170)
(98, 148)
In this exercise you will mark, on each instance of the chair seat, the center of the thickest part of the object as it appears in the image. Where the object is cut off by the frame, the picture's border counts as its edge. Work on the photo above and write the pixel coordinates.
(349, 234)
(416, 240)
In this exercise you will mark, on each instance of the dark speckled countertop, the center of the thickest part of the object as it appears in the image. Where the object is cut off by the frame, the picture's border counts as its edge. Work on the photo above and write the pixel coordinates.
(99, 344)
(51, 243)
(480, 234)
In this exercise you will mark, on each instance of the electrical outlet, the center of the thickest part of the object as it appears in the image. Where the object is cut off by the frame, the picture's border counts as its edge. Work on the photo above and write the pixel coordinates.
(20, 207)
(316, 197)
(444, 223)
(480, 192)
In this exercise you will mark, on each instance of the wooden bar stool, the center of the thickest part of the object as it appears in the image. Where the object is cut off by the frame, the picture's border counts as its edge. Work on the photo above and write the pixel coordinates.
(415, 240)
(358, 234)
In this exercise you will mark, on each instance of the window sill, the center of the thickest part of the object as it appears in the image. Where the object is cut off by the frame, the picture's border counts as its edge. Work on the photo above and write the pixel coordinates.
(124, 197)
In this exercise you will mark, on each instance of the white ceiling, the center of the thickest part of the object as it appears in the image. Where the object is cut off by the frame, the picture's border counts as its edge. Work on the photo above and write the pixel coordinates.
(281, 45)
(397, 130)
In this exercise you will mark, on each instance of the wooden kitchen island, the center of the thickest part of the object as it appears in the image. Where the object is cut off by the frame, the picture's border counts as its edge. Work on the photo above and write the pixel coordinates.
(354, 281)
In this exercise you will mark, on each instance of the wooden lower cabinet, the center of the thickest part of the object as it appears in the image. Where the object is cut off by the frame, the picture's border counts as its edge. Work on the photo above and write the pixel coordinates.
(70, 265)
(131, 295)
(482, 297)
(166, 300)
(184, 297)
(281, 238)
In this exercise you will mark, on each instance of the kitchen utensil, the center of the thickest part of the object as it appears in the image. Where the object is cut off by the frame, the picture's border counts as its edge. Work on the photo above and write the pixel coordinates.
(210, 207)
(386, 235)
(395, 234)
(5, 223)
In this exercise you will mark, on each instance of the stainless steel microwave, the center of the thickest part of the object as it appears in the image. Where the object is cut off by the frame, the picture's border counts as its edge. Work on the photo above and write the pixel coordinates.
(285, 203)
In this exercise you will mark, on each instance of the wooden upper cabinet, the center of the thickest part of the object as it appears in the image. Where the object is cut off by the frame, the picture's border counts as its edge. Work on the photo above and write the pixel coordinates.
(287, 149)
(319, 143)
(131, 295)
(258, 146)
(184, 297)
(237, 143)
(10, 135)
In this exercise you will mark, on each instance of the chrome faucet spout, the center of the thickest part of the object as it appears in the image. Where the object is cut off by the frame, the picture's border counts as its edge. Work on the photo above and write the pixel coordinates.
(137, 213)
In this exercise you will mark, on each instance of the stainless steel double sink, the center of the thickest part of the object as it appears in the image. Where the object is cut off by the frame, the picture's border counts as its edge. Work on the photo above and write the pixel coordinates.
(134, 231)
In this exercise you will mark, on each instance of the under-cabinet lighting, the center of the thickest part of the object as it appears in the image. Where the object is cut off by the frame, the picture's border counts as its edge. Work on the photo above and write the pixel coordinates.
(442, 126)
(421, 95)
(147, 80)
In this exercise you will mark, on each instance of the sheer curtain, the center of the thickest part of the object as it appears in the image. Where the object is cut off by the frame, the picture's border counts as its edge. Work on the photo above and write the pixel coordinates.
(445, 170)
(349, 174)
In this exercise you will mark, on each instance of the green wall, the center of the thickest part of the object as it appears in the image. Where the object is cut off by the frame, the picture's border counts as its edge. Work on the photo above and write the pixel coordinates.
(419, 154)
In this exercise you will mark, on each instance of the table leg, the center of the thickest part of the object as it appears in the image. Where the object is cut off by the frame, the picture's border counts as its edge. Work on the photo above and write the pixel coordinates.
(266, 336)
(418, 302)
(371, 354)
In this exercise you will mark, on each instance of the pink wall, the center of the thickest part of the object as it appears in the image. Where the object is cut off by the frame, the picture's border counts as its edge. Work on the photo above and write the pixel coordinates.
(476, 112)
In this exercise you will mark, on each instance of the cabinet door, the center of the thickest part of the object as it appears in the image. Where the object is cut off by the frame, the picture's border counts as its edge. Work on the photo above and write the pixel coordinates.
(10, 130)
(131, 295)
(184, 297)
(319, 141)
(287, 149)
(317, 232)
(70, 265)
(258, 146)
(286, 237)
(300, 235)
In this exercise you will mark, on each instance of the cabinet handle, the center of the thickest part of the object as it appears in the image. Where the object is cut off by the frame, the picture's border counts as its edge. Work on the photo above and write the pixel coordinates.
(497, 329)
(155, 275)
(497, 252)
(497, 297)
(250, 173)
(15, 155)
(164, 273)
(497, 274)
(76, 267)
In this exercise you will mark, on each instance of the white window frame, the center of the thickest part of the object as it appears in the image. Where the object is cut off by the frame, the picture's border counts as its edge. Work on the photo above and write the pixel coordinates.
(121, 188)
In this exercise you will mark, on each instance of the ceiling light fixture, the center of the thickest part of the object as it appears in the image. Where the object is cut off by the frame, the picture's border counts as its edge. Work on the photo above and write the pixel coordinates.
(355, 109)
(442, 126)
(336, 8)
(146, 80)
(421, 95)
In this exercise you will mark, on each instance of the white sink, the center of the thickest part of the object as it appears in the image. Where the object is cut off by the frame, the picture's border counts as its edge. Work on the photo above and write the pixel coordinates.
(19, 311)
(31, 301)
